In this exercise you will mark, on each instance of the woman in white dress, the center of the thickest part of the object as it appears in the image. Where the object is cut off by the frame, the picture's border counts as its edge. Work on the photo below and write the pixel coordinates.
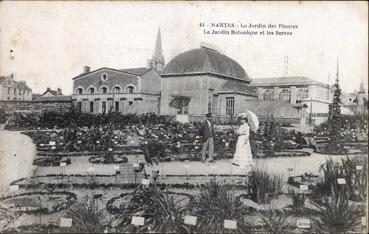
(243, 156)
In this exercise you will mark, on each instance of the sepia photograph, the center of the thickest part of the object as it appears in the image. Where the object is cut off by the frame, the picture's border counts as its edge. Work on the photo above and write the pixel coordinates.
(184, 117)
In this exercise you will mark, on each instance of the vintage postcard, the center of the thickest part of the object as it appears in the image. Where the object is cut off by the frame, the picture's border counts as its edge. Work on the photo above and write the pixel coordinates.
(183, 117)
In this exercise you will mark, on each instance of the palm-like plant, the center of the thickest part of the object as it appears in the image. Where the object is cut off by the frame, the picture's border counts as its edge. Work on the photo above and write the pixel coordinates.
(86, 217)
(337, 215)
(298, 202)
(215, 204)
(274, 221)
(162, 212)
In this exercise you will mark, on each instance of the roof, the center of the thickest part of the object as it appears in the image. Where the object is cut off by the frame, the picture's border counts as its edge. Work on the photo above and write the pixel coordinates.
(277, 109)
(204, 60)
(129, 71)
(136, 71)
(295, 80)
(60, 98)
(22, 85)
(53, 92)
(236, 86)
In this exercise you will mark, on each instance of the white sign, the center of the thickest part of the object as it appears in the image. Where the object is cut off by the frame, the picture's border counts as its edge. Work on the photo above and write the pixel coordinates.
(63, 164)
(116, 167)
(359, 167)
(230, 224)
(135, 165)
(341, 181)
(191, 220)
(304, 187)
(226, 144)
(182, 118)
(14, 187)
(79, 142)
(41, 145)
(303, 223)
(110, 149)
(52, 143)
(91, 169)
(145, 182)
(53, 147)
(138, 221)
(64, 222)
(363, 221)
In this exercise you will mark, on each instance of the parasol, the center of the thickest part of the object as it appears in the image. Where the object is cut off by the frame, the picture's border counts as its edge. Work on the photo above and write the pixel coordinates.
(253, 120)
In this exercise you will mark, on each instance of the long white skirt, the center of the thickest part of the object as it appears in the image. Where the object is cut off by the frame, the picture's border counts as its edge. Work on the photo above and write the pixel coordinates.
(243, 156)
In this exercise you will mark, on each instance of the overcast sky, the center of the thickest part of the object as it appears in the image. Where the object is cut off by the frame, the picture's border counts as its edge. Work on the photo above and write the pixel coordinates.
(52, 41)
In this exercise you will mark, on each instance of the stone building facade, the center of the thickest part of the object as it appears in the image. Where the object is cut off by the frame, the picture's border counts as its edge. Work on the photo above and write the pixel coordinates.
(132, 90)
(12, 90)
(309, 97)
(204, 80)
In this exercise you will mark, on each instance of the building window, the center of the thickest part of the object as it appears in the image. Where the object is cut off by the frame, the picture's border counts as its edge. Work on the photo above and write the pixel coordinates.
(79, 91)
(104, 77)
(91, 91)
(116, 90)
(130, 89)
(267, 95)
(103, 109)
(79, 106)
(91, 107)
(20, 92)
(285, 95)
(130, 103)
(182, 105)
(230, 106)
(8, 90)
(116, 106)
(104, 90)
(301, 94)
(15, 91)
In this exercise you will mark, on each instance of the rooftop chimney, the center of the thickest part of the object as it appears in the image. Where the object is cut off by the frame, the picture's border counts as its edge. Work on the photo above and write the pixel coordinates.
(59, 91)
(86, 69)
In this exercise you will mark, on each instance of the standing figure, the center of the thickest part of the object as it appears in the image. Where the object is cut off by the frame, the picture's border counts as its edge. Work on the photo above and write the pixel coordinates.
(243, 156)
(207, 132)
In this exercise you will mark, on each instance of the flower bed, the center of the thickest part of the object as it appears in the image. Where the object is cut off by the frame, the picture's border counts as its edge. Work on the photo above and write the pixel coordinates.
(39, 202)
(50, 161)
(108, 160)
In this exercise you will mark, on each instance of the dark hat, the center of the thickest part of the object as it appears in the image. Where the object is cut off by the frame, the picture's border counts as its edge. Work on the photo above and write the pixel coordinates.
(208, 115)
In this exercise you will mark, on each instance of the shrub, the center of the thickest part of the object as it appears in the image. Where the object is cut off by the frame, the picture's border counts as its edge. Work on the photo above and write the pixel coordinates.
(337, 215)
(262, 187)
(274, 221)
(216, 203)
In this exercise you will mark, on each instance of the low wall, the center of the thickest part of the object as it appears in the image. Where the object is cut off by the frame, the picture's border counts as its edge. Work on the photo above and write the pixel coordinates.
(35, 106)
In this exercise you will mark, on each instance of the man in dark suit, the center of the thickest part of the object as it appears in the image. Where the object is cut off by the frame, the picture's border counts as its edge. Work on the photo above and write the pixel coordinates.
(207, 132)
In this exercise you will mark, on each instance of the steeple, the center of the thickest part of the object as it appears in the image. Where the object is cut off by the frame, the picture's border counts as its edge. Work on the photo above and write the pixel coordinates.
(157, 62)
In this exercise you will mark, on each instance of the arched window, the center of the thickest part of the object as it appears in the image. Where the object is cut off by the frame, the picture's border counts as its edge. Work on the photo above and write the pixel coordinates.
(79, 91)
(116, 89)
(130, 89)
(104, 77)
(104, 90)
(91, 90)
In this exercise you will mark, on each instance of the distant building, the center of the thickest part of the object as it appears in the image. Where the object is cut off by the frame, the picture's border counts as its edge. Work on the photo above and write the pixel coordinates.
(357, 102)
(12, 90)
(311, 98)
(129, 90)
(204, 80)
(50, 93)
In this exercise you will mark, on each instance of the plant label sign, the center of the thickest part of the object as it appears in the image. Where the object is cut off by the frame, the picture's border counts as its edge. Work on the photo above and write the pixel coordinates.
(135, 165)
(190, 220)
(14, 188)
(303, 223)
(341, 181)
(52, 143)
(304, 187)
(230, 224)
(53, 147)
(63, 164)
(359, 168)
(65, 222)
(116, 167)
(138, 221)
(145, 182)
(363, 221)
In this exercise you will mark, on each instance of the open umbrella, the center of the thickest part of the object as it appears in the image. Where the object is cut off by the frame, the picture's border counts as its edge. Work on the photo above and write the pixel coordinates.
(253, 120)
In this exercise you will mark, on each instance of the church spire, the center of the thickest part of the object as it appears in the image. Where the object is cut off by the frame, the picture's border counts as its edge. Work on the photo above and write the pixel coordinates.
(157, 62)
